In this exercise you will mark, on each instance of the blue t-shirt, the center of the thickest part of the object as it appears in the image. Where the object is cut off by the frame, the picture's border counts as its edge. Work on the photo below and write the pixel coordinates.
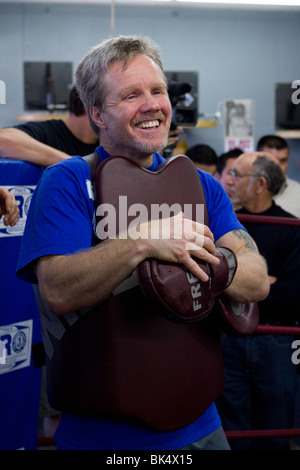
(61, 221)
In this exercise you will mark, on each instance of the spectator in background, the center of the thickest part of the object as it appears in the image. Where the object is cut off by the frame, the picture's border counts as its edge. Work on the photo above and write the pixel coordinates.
(225, 164)
(260, 377)
(204, 157)
(8, 207)
(47, 142)
(289, 196)
(289, 199)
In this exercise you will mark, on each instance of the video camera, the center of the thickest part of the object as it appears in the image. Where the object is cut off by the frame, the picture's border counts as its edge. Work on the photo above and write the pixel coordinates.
(182, 89)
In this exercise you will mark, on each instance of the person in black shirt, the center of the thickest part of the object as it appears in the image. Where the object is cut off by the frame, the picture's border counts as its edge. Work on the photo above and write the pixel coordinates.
(47, 142)
(260, 377)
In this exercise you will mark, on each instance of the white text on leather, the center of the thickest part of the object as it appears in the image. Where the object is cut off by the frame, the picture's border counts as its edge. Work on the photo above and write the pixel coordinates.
(118, 222)
(195, 290)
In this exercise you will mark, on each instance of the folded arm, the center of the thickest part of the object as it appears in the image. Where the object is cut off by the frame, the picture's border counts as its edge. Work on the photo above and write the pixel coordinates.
(18, 145)
(79, 280)
(83, 279)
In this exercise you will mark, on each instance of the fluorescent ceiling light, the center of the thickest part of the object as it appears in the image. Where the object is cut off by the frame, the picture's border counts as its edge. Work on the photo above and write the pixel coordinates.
(262, 4)
(295, 3)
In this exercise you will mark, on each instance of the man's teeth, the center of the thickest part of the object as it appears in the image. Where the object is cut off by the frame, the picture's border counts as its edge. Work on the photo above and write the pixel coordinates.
(148, 124)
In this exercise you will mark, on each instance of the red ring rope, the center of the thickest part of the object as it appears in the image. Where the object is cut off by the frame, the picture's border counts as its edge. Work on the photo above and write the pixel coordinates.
(264, 219)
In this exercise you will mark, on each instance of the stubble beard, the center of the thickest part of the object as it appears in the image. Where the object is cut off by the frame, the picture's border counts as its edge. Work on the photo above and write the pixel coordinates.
(148, 148)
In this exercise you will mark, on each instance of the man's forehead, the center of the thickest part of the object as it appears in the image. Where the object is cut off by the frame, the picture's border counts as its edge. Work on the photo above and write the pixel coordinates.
(125, 64)
(245, 160)
(139, 67)
(281, 155)
(230, 163)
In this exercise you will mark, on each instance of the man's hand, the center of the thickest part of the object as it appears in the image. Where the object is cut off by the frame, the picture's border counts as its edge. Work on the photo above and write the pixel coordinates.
(178, 240)
(8, 207)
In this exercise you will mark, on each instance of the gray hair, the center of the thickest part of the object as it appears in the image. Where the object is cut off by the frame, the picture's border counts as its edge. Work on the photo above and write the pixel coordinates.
(91, 71)
(271, 171)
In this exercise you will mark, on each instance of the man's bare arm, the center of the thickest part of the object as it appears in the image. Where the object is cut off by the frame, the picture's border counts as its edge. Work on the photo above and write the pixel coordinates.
(18, 145)
(77, 281)
(251, 283)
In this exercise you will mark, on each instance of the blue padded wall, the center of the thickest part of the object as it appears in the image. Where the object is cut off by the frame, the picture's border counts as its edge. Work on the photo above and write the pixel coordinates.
(20, 381)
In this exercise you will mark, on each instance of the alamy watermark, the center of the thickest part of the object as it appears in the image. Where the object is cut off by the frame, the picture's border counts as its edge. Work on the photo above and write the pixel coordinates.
(296, 94)
(296, 353)
(2, 92)
(165, 221)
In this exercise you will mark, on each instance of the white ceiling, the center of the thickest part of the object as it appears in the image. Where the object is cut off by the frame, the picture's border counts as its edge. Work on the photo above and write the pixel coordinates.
(284, 5)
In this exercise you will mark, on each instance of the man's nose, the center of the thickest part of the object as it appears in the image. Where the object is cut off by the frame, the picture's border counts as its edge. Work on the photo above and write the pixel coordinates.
(150, 103)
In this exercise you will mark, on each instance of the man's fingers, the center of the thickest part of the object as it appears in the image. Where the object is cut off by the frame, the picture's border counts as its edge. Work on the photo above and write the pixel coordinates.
(11, 219)
(204, 255)
(8, 208)
(192, 266)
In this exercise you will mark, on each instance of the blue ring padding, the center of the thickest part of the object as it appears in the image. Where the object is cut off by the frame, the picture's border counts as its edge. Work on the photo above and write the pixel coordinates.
(19, 388)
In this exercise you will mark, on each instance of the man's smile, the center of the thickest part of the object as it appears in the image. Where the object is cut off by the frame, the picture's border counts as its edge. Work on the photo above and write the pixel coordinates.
(148, 124)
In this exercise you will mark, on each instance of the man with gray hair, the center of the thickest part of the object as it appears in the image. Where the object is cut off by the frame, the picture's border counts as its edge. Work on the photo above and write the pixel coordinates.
(124, 91)
(260, 377)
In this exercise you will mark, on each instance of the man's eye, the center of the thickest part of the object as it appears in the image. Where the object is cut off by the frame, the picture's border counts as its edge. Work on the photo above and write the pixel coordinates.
(158, 92)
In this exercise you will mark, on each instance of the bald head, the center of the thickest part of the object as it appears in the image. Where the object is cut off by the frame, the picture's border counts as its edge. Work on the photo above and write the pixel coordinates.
(251, 157)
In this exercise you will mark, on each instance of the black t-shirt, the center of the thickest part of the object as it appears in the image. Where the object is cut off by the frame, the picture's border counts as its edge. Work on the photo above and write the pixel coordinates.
(55, 133)
(280, 246)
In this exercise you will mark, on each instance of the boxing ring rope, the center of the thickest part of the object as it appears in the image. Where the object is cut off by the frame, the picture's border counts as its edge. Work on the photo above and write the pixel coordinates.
(264, 219)
(261, 329)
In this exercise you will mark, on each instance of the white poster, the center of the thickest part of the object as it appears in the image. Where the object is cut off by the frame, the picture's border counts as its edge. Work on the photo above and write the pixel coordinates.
(23, 195)
(15, 346)
(239, 124)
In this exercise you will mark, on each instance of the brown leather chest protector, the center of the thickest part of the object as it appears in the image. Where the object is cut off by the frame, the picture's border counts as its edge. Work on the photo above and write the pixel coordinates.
(123, 358)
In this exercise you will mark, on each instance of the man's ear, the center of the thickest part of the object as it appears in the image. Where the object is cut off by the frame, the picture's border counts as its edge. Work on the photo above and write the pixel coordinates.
(97, 117)
(262, 184)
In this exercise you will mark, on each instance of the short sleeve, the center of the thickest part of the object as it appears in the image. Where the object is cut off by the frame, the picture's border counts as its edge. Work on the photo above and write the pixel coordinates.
(60, 218)
(222, 218)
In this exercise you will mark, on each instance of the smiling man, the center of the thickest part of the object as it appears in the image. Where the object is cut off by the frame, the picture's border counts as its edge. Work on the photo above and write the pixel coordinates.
(124, 90)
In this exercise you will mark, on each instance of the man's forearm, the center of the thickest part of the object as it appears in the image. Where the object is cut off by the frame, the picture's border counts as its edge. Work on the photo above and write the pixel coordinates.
(77, 281)
(250, 283)
(17, 145)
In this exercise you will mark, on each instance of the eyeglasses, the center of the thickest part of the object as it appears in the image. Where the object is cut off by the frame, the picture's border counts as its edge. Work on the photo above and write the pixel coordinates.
(236, 175)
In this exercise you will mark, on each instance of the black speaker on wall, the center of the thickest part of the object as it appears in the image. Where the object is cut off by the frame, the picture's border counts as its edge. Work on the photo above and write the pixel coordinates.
(183, 93)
